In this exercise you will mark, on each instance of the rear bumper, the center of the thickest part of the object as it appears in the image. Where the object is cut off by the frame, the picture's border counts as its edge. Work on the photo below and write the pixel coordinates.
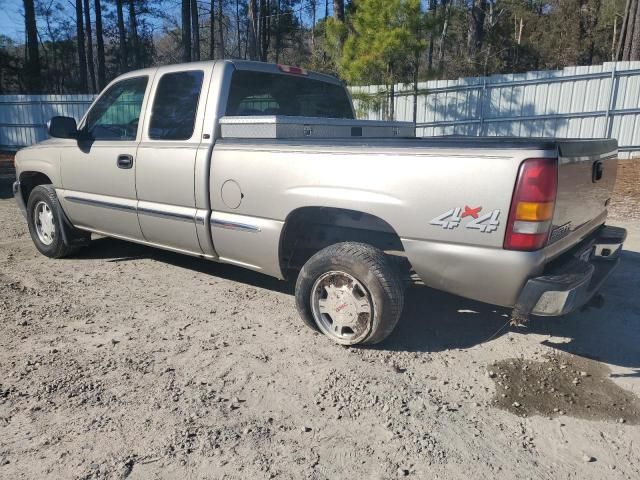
(571, 281)
(17, 194)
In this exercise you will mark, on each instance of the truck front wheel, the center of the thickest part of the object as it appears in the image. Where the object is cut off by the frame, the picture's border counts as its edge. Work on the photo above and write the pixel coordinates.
(50, 234)
(351, 292)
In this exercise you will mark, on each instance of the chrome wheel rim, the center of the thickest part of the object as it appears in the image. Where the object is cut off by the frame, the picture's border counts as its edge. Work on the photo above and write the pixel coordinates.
(44, 223)
(342, 307)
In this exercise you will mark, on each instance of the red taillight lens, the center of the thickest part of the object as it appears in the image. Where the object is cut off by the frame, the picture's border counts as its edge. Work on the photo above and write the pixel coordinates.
(538, 180)
(532, 205)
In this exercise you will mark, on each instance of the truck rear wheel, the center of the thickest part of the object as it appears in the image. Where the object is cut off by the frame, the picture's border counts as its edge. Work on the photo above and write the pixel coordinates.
(52, 236)
(351, 292)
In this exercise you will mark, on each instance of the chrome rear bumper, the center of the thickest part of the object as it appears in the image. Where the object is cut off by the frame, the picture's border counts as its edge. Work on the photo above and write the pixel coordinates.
(570, 282)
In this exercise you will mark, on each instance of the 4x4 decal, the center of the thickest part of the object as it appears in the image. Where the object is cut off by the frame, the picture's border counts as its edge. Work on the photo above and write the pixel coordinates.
(451, 219)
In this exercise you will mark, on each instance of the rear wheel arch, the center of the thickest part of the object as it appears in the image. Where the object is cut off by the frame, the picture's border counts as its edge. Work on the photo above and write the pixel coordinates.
(307, 230)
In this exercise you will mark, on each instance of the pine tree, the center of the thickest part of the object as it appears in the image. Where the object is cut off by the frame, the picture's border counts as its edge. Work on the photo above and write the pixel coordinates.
(383, 44)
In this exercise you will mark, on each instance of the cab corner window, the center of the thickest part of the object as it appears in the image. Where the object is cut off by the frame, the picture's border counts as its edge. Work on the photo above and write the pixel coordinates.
(173, 116)
(116, 114)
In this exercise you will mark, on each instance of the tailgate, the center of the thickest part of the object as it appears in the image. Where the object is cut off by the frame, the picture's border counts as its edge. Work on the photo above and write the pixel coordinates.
(586, 177)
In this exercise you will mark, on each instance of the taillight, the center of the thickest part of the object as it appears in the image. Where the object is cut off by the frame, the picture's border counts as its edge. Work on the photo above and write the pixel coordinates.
(532, 206)
(292, 70)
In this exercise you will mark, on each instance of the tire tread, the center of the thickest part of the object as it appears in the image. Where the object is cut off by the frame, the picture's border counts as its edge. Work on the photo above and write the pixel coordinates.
(380, 266)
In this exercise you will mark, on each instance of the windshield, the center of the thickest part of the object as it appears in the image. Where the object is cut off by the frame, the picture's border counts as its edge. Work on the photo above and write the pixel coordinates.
(257, 93)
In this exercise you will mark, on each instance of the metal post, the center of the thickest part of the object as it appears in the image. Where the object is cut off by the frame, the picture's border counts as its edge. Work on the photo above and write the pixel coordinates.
(482, 95)
(613, 93)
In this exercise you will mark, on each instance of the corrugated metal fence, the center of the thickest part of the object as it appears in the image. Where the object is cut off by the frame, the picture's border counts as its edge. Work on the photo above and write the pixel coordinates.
(23, 118)
(577, 102)
(601, 101)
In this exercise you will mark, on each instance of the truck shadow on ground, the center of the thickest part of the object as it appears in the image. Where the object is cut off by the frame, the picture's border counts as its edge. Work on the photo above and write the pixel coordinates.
(435, 321)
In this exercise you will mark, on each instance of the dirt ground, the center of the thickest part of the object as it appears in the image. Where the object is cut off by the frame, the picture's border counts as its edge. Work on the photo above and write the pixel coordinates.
(626, 197)
(130, 362)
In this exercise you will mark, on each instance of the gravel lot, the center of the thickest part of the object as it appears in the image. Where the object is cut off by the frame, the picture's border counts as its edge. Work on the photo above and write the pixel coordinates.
(129, 362)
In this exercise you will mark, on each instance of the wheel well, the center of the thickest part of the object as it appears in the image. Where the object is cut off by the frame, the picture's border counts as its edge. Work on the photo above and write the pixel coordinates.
(310, 229)
(29, 181)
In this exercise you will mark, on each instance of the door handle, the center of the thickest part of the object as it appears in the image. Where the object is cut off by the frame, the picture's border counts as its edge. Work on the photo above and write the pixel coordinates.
(125, 161)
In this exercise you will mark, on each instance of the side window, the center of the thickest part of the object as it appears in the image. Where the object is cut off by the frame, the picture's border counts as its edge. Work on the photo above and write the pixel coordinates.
(116, 113)
(173, 116)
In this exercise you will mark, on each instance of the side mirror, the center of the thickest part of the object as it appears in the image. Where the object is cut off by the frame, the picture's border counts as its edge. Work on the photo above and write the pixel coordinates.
(63, 127)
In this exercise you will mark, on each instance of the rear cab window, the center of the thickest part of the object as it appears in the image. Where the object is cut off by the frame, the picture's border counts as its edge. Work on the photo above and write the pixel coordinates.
(173, 114)
(259, 93)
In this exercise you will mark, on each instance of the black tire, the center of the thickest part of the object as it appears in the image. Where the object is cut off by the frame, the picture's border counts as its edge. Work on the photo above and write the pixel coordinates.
(371, 268)
(66, 239)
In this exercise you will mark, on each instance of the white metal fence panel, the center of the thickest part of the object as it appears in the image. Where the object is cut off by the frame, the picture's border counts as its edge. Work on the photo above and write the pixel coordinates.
(23, 118)
(577, 102)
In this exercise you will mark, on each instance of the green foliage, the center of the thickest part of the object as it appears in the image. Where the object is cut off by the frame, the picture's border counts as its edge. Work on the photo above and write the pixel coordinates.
(380, 42)
(384, 38)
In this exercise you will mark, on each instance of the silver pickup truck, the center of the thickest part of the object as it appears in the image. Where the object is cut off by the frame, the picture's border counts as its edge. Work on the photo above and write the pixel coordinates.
(265, 167)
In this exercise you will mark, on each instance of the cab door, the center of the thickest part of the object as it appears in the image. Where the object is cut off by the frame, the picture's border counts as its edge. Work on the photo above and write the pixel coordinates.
(98, 170)
(166, 160)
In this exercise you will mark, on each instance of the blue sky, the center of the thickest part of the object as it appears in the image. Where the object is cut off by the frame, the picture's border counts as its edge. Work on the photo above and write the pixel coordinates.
(12, 20)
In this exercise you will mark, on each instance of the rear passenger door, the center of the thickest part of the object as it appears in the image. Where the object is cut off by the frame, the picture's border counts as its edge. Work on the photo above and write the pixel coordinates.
(165, 167)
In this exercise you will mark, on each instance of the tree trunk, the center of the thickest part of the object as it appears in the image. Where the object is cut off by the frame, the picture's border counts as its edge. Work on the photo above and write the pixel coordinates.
(430, 53)
(252, 17)
(195, 28)
(338, 10)
(314, 7)
(445, 29)
(634, 54)
(186, 30)
(630, 30)
(122, 38)
(82, 58)
(221, 27)
(92, 70)
(212, 33)
(476, 27)
(238, 31)
(264, 30)
(100, 46)
(34, 79)
(433, 10)
(278, 32)
(623, 31)
(135, 40)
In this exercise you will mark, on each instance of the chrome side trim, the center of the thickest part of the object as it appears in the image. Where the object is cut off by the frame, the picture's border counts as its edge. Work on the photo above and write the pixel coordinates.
(100, 203)
(201, 217)
(243, 227)
(184, 214)
(166, 214)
